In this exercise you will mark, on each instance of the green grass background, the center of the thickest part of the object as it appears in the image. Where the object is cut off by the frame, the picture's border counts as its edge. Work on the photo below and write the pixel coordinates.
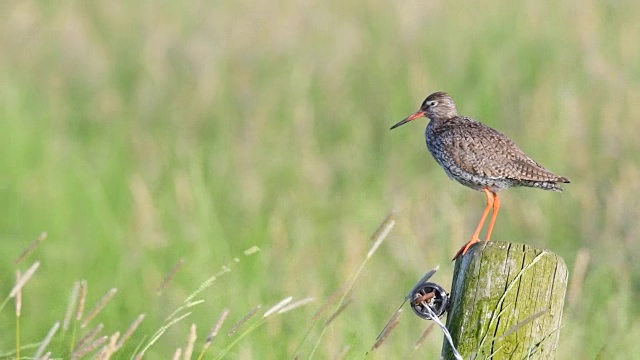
(139, 133)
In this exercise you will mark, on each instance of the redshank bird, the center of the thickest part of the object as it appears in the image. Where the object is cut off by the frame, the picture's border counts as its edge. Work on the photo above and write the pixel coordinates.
(478, 157)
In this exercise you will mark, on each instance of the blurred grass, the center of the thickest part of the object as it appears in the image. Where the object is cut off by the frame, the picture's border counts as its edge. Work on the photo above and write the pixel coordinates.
(139, 133)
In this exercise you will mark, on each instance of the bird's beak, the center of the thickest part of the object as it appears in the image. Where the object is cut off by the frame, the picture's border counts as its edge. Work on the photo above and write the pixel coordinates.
(413, 116)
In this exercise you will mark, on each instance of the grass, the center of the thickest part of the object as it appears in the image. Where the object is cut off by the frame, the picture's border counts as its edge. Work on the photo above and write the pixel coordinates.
(139, 134)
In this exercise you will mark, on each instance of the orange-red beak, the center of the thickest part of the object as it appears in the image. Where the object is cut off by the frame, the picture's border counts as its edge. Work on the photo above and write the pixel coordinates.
(413, 116)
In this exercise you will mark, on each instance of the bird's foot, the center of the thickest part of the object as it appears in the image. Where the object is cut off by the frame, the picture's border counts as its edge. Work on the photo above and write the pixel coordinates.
(463, 249)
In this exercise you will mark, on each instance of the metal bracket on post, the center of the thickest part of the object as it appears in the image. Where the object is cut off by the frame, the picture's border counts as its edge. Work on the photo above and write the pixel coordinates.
(428, 294)
(432, 295)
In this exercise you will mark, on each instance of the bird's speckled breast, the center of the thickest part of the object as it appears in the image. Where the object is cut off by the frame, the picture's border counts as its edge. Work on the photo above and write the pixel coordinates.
(435, 137)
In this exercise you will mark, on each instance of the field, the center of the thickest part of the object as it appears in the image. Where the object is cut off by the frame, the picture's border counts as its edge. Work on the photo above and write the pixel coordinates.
(141, 134)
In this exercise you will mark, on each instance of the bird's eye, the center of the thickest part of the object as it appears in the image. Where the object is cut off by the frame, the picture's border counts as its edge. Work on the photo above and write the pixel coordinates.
(432, 103)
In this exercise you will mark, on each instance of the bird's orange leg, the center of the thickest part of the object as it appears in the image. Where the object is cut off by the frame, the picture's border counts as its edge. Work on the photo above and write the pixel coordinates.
(496, 207)
(476, 235)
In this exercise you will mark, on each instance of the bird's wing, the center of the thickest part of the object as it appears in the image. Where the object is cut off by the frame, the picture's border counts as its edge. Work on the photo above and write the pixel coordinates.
(484, 151)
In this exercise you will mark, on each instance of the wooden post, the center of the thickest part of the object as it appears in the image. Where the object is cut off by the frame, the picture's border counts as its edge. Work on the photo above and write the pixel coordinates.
(506, 302)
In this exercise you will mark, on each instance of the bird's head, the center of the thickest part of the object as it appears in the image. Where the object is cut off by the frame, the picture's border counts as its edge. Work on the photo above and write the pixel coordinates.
(438, 105)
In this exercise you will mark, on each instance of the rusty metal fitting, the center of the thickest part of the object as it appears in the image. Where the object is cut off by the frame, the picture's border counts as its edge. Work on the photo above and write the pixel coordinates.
(429, 295)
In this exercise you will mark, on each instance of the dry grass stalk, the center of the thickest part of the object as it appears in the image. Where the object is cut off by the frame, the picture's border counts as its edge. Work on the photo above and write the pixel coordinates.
(71, 305)
(296, 304)
(188, 350)
(46, 356)
(202, 287)
(88, 337)
(243, 320)
(381, 233)
(99, 306)
(176, 316)
(208, 282)
(81, 300)
(216, 328)
(23, 279)
(385, 333)
(332, 299)
(522, 323)
(379, 236)
(187, 304)
(193, 303)
(394, 319)
(102, 353)
(277, 306)
(338, 311)
(424, 336)
(577, 279)
(345, 351)
(18, 296)
(113, 340)
(108, 350)
(34, 244)
(130, 331)
(160, 332)
(169, 278)
(47, 339)
(252, 250)
(214, 332)
(177, 355)
(89, 348)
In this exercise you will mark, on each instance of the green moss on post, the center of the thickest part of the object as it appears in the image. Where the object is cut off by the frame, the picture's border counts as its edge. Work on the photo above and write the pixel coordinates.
(506, 302)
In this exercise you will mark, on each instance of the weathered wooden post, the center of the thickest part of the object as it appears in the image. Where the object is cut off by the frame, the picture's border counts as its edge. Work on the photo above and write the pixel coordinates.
(506, 302)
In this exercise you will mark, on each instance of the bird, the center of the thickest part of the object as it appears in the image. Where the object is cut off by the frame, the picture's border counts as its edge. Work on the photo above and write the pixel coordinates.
(479, 157)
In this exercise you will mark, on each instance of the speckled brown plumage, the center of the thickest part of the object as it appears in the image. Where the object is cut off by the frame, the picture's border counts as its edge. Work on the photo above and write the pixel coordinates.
(478, 156)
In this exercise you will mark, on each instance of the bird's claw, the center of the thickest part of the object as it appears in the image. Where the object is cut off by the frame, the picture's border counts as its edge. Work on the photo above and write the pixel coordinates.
(465, 247)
